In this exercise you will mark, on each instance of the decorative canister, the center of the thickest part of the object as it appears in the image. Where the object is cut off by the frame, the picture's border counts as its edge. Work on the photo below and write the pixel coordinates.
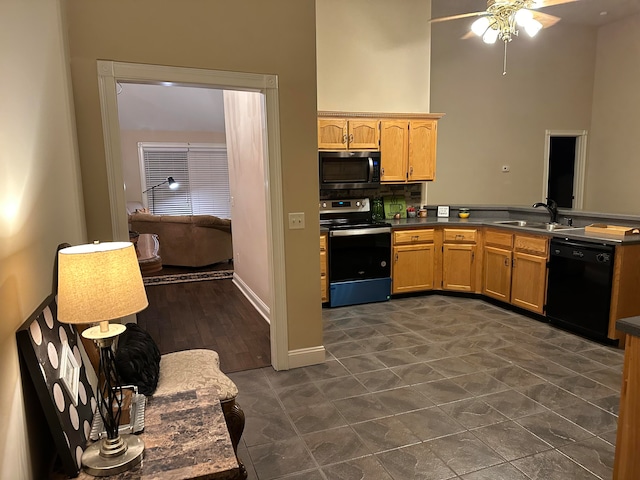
(463, 213)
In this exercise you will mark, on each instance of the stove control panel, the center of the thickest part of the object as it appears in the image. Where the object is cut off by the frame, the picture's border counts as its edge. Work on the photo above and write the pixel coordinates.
(356, 205)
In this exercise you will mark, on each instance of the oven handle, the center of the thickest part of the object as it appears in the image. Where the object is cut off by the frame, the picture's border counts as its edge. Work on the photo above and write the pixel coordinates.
(359, 231)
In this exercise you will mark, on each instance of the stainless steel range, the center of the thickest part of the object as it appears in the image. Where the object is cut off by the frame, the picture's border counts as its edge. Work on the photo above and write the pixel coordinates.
(359, 253)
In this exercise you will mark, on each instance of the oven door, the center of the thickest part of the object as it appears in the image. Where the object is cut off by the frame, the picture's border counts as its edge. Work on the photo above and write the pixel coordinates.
(359, 254)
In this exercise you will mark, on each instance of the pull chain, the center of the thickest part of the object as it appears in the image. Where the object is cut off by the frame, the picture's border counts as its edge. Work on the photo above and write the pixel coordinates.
(504, 64)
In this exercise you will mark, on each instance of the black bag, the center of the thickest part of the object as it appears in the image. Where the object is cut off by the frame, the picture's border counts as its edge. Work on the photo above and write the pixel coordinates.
(138, 359)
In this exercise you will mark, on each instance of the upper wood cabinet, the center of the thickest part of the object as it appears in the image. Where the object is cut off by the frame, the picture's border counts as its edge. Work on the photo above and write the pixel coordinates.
(408, 150)
(346, 134)
(407, 142)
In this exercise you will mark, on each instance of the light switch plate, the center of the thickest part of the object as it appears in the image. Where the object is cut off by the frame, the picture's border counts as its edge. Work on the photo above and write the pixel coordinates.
(296, 221)
(443, 211)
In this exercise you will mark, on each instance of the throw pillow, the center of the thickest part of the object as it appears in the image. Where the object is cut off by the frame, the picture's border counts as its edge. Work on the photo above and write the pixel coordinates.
(138, 359)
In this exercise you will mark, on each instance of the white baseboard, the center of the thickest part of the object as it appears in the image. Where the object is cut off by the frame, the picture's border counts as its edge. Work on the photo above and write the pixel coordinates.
(306, 356)
(256, 301)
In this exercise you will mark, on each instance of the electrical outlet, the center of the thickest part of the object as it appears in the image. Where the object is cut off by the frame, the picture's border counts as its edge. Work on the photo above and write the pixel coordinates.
(296, 221)
(505, 168)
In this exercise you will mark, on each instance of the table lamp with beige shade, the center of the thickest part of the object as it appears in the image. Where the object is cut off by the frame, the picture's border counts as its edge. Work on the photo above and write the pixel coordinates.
(97, 283)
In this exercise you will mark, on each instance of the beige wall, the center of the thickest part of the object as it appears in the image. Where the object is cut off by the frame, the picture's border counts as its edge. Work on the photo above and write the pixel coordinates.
(40, 204)
(130, 159)
(274, 37)
(493, 120)
(613, 167)
(373, 55)
(244, 115)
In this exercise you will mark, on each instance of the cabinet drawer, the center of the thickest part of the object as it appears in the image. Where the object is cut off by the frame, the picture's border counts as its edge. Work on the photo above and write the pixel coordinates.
(526, 243)
(403, 237)
(460, 235)
(498, 238)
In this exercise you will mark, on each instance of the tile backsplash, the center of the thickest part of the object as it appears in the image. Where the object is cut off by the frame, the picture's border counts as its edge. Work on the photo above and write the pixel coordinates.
(411, 193)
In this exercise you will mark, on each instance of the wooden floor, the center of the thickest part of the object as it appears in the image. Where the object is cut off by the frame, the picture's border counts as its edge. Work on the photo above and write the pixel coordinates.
(209, 314)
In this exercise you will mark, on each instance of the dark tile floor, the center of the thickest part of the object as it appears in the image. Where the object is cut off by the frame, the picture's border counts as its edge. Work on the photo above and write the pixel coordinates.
(434, 388)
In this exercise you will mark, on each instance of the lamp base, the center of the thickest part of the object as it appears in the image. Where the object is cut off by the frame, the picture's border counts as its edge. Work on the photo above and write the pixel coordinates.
(98, 465)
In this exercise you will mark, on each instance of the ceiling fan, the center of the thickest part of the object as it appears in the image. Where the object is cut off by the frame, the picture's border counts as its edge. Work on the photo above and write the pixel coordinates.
(502, 18)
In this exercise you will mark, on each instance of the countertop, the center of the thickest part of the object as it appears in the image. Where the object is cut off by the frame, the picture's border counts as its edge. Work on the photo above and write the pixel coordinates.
(629, 325)
(577, 233)
(573, 233)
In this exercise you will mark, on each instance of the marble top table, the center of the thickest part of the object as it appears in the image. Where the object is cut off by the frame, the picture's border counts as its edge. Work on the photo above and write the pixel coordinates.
(185, 437)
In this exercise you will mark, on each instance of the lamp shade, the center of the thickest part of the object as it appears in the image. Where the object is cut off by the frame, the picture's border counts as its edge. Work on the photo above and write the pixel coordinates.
(99, 282)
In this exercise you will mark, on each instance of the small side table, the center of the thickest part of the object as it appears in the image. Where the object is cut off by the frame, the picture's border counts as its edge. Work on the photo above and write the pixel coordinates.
(148, 249)
(185, 437)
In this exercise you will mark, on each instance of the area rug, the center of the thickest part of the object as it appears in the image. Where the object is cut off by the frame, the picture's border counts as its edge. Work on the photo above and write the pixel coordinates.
(188, 277)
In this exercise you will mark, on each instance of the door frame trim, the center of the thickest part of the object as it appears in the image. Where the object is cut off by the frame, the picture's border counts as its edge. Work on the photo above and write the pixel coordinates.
(109, 73)
(579, 166)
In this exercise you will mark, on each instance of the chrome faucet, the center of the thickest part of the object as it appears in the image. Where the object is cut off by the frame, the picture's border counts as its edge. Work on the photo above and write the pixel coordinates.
(552, 208)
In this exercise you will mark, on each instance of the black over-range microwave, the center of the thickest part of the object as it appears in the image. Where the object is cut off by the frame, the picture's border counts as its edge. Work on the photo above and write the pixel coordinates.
(349, 169)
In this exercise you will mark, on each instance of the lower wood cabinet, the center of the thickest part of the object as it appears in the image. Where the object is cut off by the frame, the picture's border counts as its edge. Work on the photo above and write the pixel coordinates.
(413, 259)
(459, 259)
(515, 269)
(324, 290)
(497, 273)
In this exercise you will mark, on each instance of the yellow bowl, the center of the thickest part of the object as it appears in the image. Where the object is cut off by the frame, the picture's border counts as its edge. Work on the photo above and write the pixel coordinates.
(463, 214)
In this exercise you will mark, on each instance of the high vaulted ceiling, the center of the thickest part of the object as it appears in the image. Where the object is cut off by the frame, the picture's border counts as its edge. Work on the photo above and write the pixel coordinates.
(160, 107)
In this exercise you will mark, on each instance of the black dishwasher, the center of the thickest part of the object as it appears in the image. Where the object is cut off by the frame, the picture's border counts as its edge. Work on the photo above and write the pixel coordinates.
(579, 287)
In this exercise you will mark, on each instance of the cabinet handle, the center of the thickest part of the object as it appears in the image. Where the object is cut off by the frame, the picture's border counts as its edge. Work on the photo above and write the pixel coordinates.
(382, 171)
(396, 256)
(351, 138)
(506, 262)
(344, 138)
(513, 263)
(411, 170)
(473, 256)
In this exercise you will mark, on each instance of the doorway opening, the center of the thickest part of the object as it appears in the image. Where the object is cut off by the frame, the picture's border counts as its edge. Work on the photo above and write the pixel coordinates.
(564, 167)
(110, 73)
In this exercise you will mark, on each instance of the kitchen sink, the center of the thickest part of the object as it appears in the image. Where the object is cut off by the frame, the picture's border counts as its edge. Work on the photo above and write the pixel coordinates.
(517, 223)
(550, 227)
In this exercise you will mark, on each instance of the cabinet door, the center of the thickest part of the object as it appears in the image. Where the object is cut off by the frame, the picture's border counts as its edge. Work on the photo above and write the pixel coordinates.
(497, 273)
(364, 134)
(332, 134)
(393, 150)
(422, 150)
(412, 268)
(458, 267)
(529, 282)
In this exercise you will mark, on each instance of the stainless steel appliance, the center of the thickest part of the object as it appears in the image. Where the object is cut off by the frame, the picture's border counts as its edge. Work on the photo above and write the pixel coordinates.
(579, 287)
(341, 170)
(359, 253)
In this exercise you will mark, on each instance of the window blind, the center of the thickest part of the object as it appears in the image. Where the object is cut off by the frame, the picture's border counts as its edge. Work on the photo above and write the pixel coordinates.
(201, 171)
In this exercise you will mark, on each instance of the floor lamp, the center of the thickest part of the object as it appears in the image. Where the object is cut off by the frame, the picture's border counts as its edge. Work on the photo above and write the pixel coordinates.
(96, 283)
(172, 185)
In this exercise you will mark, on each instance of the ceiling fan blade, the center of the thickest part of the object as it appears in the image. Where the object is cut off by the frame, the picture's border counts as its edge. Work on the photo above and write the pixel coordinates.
(468, 35)
(545, 19)
(456, 17)
(549, 3)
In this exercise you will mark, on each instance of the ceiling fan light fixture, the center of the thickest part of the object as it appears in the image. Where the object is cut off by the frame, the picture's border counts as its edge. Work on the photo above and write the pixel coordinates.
(533, 27)
(490, 36)
(479, 27)
(523, 17)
